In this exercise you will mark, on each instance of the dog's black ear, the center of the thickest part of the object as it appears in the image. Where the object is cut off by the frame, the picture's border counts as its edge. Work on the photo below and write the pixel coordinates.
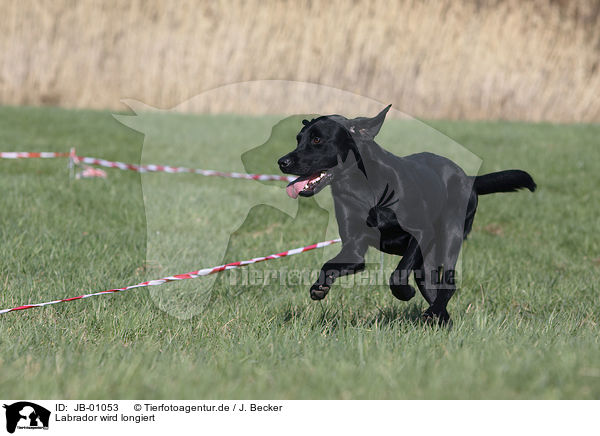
(369, 127)
(305, 122)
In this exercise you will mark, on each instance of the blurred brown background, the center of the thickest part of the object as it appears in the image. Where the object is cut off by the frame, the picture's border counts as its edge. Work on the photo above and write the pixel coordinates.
(524, 60)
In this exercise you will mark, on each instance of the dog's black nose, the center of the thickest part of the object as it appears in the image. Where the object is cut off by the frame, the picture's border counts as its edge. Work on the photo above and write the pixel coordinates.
(284, 162)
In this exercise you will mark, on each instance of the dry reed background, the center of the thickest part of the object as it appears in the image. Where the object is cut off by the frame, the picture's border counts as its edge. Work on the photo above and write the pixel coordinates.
(527, 60)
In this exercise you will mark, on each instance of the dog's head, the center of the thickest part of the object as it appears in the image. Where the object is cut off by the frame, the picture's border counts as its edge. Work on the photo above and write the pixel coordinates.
(324, 145)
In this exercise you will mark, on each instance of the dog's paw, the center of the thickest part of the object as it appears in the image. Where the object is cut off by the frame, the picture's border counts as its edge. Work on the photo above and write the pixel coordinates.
(442, 319)
(318, 292)
(402, 292)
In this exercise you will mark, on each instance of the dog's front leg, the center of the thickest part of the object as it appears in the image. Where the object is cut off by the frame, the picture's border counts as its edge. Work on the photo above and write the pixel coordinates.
(399, 278)
(350, 260)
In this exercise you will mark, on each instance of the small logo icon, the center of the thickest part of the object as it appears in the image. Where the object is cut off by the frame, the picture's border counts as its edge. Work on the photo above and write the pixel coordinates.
(26, 415)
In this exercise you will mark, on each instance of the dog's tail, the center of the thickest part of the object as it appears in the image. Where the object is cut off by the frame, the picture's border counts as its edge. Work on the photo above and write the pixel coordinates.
(503, 181)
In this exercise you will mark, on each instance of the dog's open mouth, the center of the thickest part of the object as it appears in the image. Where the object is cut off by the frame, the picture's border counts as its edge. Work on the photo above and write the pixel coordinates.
(308, 185)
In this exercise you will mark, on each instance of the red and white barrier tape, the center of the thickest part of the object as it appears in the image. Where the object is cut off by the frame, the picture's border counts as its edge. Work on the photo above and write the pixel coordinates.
(144, 168)
(28, 155)
(170, 169)
(190, 275)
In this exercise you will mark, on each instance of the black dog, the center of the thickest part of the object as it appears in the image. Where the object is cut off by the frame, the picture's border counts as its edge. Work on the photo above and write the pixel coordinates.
(420, 207)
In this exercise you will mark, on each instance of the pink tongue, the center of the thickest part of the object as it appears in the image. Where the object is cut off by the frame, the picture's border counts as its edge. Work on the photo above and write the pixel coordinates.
(295, 188)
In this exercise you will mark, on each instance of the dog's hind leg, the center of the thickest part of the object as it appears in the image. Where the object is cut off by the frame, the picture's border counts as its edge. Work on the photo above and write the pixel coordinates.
(440, 262)
(439, 286)
(436, 298)
(399, 278)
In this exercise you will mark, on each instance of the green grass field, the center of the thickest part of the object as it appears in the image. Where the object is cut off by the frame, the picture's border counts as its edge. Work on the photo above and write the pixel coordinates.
(525, 319)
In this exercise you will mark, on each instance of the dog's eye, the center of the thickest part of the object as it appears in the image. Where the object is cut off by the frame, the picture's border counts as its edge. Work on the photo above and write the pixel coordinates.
(316, 140)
